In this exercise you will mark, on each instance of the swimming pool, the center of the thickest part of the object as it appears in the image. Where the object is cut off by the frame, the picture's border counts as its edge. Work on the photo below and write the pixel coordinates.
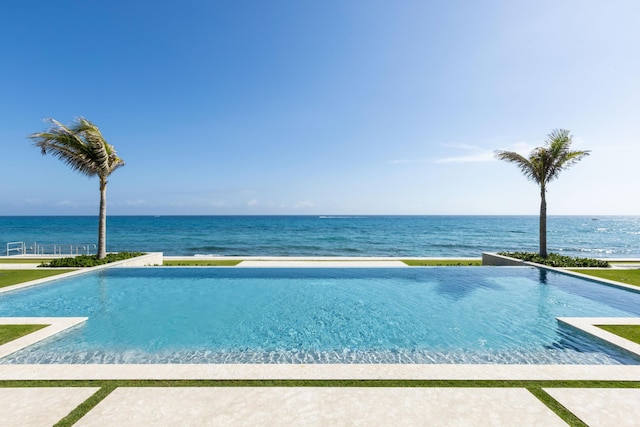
(321, 315)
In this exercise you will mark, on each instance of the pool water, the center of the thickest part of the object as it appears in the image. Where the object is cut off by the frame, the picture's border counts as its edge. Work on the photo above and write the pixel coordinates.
(323, 315)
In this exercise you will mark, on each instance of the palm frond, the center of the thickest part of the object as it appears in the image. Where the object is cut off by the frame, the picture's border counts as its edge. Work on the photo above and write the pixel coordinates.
(561, 137)
(560, 155)
(81, 146)
(526, 166)
(545, 163)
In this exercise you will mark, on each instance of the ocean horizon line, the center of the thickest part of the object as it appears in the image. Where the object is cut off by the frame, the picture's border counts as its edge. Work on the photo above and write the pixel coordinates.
(334, 235)
(327, 215)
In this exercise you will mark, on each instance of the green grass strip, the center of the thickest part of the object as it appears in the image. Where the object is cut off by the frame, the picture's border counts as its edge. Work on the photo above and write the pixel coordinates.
(82, 409)
(629, 277)
(24, 260)
(442, 262)
(566, 415)
(12, 332)
(203, 263)
(630, 332)
(14, 277)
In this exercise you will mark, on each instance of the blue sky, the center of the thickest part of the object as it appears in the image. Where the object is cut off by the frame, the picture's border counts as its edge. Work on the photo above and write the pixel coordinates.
(322, 107)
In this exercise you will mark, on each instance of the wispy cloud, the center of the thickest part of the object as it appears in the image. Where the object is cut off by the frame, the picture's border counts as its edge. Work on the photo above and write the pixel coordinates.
(473, 154)
(304, 204)
(68, 203)
(469, 154)
(252, 202)
(471, 158)
(521, 147)
(404, 161)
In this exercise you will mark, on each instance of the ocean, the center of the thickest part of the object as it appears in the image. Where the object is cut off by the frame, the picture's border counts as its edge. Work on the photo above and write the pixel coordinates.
(357, 236)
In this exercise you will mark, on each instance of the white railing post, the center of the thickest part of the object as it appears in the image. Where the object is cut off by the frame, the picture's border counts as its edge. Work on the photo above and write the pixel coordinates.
(22, 248)
(18, 247)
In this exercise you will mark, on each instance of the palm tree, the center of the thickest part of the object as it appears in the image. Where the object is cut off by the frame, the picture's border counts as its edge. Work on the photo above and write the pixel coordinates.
(543, 166)
(84, 149)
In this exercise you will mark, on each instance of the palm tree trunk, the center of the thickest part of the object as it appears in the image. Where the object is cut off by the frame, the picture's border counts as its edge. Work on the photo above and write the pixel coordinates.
(102, 220)
(543, 222)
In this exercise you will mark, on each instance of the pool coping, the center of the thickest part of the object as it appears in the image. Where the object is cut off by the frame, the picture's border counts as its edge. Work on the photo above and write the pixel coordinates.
(149, 259)
(589, 325)
(55, 326)
(321, 371)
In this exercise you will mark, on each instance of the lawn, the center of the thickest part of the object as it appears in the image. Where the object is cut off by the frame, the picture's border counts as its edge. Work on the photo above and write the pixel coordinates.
(12, 332)
(630, 332)
(13, 277)
(24, 260)
(202, 262)
(442, 262)
(629, 277)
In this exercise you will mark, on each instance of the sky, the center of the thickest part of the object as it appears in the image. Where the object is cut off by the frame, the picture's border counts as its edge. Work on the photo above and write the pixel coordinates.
(354, 107)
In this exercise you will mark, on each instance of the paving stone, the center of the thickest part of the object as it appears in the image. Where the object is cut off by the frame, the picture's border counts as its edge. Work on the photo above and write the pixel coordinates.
(40, 406)
(320, 406)
(601, 407)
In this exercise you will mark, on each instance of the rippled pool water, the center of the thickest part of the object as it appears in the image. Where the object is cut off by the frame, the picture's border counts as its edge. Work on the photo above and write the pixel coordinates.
(324, 315)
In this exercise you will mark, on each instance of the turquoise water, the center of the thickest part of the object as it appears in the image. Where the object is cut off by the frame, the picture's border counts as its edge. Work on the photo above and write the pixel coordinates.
(397, 236)
(330, 315)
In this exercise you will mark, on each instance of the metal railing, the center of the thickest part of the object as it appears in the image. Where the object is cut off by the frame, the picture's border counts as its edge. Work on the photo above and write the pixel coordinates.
(17, 247)
(22, 248)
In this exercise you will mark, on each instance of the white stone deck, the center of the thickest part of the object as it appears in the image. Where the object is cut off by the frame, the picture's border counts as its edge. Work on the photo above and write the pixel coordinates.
(319, 406)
